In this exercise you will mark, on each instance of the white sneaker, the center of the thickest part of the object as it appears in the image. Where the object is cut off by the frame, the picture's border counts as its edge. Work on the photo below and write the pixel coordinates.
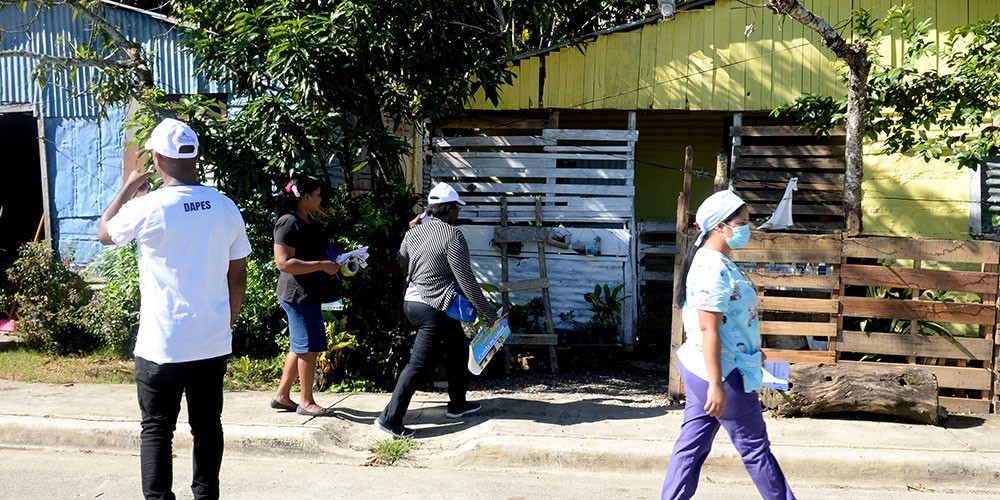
(469, 409)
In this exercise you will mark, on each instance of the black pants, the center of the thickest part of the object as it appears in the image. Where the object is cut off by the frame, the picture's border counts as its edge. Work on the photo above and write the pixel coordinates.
(160, 388)
(436, 332)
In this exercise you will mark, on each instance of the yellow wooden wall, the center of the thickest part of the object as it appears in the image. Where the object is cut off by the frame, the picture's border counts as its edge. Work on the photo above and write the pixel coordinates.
(702, 60)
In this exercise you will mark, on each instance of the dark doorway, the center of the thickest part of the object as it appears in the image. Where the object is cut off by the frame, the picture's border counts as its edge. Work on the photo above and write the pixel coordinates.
(22, 199)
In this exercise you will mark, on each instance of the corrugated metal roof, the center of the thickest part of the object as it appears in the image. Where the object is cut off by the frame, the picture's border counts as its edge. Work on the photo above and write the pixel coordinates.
(173, 69)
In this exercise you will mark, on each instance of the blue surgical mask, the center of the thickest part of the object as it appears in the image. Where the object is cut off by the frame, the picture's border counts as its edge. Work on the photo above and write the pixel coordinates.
(741, 235)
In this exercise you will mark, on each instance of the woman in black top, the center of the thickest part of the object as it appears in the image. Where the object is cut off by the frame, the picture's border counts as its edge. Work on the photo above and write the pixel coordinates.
(301, 253)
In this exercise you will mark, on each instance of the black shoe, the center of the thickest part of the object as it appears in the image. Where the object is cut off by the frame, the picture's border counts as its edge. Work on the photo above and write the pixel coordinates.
(325, 412)
(396, 430)
(468, 409)
(281, 406)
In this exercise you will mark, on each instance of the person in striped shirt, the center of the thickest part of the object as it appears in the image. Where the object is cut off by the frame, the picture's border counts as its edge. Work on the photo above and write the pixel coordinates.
(436, 256)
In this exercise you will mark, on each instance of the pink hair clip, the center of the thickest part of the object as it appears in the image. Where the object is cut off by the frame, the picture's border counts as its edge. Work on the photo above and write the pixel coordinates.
(290, 188)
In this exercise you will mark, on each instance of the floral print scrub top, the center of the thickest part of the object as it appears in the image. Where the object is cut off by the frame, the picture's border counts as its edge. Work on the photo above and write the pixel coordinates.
(715, 283)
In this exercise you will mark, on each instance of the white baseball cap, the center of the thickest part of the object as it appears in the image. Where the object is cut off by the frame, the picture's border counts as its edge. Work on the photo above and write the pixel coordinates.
(443, 193)
(173, 139)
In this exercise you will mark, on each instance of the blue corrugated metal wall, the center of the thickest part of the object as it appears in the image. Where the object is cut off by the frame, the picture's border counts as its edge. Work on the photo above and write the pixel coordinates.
(173, 70)
(85, 172)
(84, 154)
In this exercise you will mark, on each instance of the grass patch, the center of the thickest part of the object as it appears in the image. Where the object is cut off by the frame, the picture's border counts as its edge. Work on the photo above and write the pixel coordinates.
(23, 365)
(389, 451)
(243, 374)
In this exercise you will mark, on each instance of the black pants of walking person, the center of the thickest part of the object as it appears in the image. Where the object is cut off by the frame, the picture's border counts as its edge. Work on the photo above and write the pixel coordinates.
(436, 333)
(160, 388)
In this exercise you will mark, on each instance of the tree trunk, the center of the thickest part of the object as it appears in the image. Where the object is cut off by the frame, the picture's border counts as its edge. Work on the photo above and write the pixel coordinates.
(910, 392)
(856, 57)
(857, 101)
(721, 170)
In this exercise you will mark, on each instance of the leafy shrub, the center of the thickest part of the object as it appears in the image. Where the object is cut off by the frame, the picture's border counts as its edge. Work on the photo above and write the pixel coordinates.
(51, 302)
(606, 305)
(331, 364)
(373, 298)
(246, 373)
(259, 322)
(113, 316)
(607, 308)
(530, 317)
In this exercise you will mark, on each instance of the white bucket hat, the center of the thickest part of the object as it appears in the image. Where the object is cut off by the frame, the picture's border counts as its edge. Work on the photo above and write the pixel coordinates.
(443, 193)
(173, 139)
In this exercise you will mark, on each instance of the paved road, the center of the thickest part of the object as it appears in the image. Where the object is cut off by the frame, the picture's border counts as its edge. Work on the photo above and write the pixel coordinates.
(50, 475)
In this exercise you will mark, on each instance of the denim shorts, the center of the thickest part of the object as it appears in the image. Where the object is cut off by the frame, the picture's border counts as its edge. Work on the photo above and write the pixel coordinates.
(305, 327)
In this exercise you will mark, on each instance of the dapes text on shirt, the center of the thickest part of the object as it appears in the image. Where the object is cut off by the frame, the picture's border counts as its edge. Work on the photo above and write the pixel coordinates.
(197, 205)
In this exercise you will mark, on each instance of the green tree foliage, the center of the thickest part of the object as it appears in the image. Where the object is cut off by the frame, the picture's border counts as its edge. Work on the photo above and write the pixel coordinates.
(261, 318)
(319, 77)
(117, 69)
(954, 115)
(373, 297)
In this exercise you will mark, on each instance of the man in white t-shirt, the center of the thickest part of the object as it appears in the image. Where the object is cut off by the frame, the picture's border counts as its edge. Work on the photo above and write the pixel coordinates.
(192, 276)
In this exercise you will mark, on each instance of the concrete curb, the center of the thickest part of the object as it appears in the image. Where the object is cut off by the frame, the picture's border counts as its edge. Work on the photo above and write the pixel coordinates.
(112, 435)
(856, 467)
(522, 431)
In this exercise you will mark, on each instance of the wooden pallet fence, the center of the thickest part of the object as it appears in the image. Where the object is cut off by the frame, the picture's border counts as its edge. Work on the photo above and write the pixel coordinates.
(816, 305)
(795, 305)
(657, 250)
(964, 365)
(585, 180)
(581, 175)
(766, 157)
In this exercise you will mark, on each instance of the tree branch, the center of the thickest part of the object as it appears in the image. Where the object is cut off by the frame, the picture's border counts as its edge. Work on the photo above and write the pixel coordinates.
(68, 61)
(832, 39)
(132, 57)
(120, 39)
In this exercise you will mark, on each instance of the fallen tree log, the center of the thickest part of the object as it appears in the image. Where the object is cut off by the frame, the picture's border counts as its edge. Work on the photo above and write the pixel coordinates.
(909, 392)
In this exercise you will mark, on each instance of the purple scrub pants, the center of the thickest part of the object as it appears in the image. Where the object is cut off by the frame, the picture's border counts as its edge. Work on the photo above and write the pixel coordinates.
(743, 421)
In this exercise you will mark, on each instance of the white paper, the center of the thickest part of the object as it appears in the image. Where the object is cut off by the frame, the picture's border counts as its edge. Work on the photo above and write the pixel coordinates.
(776, 374)
(360, 256)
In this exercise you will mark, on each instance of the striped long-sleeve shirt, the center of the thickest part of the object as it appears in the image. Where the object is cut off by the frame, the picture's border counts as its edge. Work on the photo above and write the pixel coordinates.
(436, 256)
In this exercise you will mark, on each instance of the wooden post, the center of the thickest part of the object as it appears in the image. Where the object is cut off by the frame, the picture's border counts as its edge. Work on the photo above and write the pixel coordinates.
(543, 271)
(630, 309)
(737, 142)
(990, 333)
(914, 324)
(675, 386)
(505, 296)
(504, 276)
(836, 294)
(43, 163)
